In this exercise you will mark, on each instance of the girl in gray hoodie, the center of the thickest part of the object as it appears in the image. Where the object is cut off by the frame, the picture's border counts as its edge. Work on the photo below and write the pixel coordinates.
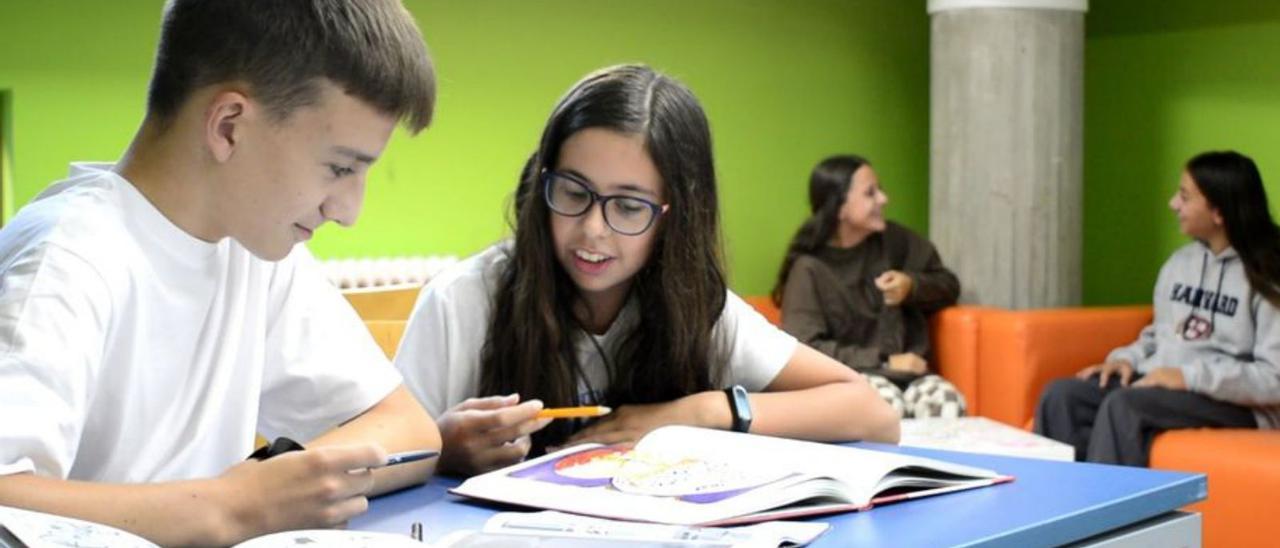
(1211, 356)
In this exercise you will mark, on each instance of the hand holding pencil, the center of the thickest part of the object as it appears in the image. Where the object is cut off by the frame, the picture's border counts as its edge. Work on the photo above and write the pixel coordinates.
(482, 434)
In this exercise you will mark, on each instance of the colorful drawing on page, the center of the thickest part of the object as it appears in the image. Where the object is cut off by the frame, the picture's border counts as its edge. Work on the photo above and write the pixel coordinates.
(629, 471)
(691, 479)
(590, 468)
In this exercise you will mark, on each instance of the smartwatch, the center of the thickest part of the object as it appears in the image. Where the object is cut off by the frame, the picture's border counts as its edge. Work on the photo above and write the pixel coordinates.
(740, 407)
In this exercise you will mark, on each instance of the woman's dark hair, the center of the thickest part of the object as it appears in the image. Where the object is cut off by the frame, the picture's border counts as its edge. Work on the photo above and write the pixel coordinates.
(1230, 181)
(828, 186)
(530, 345)
(526, 186)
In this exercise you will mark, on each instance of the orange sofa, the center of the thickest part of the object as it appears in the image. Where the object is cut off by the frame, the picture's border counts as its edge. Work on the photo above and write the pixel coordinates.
(1021, 351)
(1001, 360)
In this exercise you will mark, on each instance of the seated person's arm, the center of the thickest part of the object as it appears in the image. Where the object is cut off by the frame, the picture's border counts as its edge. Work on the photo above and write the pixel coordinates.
(302, 489)
(934, 286)
(798, 393)
(814, 397)
(50, 365)
(397, 423)
(1248, 381)
(817, 398)
(324, 369)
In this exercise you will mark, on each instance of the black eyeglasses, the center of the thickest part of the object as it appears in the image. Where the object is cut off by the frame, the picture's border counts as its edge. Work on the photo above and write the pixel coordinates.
(571, 196)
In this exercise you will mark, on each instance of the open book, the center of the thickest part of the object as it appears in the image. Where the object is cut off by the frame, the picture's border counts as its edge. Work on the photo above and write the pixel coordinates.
(696, 476)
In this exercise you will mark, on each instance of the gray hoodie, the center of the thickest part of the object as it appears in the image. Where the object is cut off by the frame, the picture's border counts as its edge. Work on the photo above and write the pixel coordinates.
(1237, 359)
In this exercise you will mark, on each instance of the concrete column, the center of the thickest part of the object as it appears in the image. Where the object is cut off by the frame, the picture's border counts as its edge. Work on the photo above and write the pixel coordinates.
(1006, 133)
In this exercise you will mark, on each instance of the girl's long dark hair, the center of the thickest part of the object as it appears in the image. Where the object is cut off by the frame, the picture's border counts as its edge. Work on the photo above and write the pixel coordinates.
(828, 186)
(531, 341)
(1230, 181)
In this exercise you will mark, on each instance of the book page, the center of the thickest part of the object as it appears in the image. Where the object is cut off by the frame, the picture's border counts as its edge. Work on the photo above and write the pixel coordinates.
(864, 472)
(41, 530)
(635, 470)
(617, 482)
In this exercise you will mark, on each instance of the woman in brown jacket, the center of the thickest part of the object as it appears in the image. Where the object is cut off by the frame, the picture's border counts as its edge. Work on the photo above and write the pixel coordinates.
(860, 288)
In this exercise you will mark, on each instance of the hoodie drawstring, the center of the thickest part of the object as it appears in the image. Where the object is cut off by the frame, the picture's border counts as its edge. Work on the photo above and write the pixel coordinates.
(1217, 294)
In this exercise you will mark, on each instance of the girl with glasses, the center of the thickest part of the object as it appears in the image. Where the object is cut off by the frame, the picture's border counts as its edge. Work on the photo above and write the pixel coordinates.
(612, 293)
(1211, 357)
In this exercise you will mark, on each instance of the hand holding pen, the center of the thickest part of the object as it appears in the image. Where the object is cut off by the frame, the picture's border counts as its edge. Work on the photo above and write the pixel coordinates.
(320, 487)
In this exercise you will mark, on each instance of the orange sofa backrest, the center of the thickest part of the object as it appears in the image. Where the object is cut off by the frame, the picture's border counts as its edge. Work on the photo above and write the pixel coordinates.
(954, 333)
(1022, 350)
(764, 305)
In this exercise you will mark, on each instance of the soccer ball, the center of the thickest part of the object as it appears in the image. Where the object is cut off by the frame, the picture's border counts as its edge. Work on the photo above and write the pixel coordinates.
(889, 392)
(932, 396)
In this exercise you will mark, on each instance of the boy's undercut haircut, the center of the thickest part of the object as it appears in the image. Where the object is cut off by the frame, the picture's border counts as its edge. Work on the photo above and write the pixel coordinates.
(281, 49)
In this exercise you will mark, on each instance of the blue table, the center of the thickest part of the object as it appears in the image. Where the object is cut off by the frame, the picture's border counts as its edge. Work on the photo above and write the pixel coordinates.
(1049, 503)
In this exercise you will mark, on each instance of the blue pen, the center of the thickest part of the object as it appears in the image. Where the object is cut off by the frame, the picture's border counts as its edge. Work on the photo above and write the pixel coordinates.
(410, 456)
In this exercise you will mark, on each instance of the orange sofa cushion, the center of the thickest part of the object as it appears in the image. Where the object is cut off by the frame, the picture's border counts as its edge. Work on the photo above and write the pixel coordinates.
(1021, 351)
(1243, 467)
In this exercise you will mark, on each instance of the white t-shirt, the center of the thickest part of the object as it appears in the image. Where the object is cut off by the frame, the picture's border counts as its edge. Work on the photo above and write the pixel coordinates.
(439, 355)
(131, 351)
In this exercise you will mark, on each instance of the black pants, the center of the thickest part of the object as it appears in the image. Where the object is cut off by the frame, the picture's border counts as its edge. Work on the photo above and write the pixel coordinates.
(1116, 425)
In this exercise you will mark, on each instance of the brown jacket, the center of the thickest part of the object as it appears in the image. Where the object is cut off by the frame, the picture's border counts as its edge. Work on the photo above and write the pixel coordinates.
(831, 301)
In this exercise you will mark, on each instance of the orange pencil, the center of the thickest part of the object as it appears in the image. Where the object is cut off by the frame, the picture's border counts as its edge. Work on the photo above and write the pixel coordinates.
(573, 412)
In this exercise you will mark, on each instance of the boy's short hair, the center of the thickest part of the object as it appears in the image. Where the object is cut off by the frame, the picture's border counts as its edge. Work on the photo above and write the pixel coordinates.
(371, 49)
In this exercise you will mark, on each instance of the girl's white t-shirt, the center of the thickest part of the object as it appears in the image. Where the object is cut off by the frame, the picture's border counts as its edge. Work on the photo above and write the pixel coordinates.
(439, 355)
(131, 351)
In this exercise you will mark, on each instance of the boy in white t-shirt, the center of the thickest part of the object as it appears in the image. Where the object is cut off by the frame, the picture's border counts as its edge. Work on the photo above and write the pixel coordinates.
(157, 313)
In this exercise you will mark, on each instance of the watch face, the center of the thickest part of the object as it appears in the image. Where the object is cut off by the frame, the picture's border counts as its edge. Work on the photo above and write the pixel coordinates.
(741, 407)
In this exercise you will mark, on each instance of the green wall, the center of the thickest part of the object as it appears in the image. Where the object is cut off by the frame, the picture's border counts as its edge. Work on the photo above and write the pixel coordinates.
(1163, 81)
(784, 84)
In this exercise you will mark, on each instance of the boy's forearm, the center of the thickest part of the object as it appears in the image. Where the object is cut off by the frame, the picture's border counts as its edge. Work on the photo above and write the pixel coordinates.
(180, 513)
(397, 423)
